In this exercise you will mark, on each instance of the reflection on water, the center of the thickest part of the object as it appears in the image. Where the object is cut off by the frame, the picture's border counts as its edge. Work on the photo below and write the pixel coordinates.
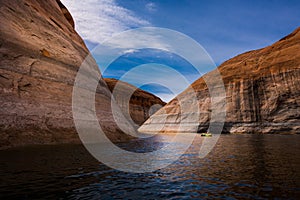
(240, 166)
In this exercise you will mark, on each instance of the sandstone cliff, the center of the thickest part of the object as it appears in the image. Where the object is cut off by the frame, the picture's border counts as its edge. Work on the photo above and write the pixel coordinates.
(40, 56)
(142, 104)
(262, 93)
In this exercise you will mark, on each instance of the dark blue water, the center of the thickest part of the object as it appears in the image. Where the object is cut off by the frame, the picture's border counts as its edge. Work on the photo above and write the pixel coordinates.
(239, 167)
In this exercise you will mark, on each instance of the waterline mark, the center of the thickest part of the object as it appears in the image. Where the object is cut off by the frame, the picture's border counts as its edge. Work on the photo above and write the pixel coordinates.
(86, 86)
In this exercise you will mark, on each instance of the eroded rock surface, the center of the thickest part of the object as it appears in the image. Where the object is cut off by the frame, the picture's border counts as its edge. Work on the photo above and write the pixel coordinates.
(40, 54)
(262, 93)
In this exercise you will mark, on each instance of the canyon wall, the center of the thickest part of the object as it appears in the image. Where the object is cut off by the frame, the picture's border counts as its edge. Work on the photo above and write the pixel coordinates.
(40, 55)
(139, 106)
(262, 94)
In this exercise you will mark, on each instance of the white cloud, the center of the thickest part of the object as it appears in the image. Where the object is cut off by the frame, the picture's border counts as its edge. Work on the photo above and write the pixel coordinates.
(147, 38)
(130, 51)
(98, 20)
(151, 7)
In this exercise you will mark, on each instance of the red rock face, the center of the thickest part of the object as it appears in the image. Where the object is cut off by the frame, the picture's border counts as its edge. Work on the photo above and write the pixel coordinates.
(40, 54)
(141, 104)
(262, 92)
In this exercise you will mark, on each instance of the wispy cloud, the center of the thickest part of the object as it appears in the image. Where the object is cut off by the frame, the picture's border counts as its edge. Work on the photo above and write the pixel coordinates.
(130, 51)
(98, 20)
(151, 7)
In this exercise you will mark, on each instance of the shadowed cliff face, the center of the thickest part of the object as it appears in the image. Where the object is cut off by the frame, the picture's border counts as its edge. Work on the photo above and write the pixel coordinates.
(40, 54)
(141, 104)
(262, 93)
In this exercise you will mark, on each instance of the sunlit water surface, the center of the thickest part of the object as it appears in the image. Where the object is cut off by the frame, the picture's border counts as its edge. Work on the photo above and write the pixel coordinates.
(239, 167)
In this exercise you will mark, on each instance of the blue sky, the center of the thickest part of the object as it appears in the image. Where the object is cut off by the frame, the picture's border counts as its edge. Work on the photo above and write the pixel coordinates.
(224, 28)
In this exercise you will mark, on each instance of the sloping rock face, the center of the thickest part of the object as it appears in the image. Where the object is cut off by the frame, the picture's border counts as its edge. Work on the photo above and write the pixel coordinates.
(40, 56)
(141, 104)
(262, 93)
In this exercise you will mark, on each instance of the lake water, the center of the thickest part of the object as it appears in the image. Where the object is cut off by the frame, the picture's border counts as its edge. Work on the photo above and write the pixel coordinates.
(239, 167)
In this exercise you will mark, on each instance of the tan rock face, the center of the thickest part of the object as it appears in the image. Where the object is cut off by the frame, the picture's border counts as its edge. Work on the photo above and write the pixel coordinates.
(141, 104)
(40, 54)
(262, 93)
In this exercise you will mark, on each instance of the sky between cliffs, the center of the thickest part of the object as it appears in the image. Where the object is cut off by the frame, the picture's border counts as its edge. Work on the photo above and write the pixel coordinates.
(224, 28)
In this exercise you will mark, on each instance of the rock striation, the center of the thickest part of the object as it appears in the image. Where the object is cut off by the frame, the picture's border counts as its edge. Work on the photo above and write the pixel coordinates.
(262, 93)
(40, 54)
(141, 104)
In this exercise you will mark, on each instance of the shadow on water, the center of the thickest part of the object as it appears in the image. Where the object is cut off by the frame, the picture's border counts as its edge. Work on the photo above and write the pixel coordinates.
(239, 167)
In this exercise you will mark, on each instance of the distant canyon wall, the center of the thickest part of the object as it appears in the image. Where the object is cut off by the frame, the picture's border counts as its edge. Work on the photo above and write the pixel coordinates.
(141, 104)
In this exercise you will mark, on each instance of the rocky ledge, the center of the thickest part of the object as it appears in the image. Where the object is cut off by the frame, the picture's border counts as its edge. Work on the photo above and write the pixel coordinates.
(262, 94)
